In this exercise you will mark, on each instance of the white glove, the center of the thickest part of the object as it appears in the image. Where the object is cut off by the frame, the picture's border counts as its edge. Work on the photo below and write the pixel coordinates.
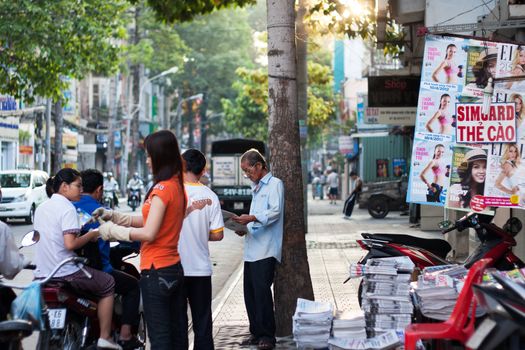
(110, 231)
(111, 215)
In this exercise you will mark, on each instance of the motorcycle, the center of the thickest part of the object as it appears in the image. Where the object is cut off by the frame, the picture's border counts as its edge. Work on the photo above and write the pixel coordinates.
(134, 197)
(107, 199)
(495, 243)
(13, 331)
(505, 306)
(73, 322)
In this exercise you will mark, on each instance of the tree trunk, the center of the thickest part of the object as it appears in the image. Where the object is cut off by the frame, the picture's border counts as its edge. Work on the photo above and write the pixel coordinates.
(285, 158)
(58, 119)
(136, 99)
(302, 97)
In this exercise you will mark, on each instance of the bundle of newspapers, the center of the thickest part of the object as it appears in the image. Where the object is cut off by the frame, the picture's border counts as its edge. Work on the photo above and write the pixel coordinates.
(388, 340)
(386, 293)
(438, 288)
(312, 323)
(348, 324)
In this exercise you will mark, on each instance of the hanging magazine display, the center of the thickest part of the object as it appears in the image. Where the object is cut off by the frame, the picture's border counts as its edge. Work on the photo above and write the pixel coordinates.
(467, 152)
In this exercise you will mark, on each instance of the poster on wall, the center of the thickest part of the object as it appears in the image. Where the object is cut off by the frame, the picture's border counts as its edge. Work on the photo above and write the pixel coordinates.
(463, 158)
(400, 166)
(429, 173)
(382, 168)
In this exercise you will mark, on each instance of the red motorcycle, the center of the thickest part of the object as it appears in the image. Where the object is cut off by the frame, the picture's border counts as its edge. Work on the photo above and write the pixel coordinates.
(72, 318)
(495, 243)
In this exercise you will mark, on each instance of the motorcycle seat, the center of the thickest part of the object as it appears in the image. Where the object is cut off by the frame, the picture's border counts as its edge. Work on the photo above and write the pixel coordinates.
(15, 329)
(438, 247)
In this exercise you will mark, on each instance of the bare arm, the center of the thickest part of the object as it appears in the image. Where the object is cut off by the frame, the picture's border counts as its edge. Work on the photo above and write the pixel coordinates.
(422, 175)
(149, 231)
(499, 184)
(217, 236)
(74, 242)
(431, 120)
(436, 72)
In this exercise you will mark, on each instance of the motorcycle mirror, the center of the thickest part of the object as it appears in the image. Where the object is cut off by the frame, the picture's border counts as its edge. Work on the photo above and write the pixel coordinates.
(445, 224)
(30, 238)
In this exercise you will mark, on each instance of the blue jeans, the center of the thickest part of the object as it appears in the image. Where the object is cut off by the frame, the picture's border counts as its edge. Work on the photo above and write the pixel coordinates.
(163, 300)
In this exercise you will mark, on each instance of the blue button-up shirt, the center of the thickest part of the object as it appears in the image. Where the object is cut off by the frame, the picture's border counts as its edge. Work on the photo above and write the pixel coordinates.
(265, 236)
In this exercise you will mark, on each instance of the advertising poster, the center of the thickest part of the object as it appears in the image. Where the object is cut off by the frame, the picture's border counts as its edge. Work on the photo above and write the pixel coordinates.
(382, 167)
(444, 61)
(467, 179)
(429, 173)
(472, 126)
(481, 154)
(400, 166)
(436, 115)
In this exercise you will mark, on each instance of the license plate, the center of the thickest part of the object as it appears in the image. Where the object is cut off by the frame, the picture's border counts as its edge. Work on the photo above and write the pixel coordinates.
(57, 318)
(238, 205)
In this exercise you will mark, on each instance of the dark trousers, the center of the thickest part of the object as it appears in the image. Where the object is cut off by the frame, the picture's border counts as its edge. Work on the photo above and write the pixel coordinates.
(128, 287)
(349, 205)
(197, 291)
(163, 299)
(258, 280)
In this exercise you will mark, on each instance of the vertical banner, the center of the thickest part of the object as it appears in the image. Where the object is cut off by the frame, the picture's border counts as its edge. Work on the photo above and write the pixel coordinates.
(463, 158)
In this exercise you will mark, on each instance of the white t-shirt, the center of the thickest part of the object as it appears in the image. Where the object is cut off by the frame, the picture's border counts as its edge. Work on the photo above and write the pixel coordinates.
(196, 229)
(55, 218)
(333, 179)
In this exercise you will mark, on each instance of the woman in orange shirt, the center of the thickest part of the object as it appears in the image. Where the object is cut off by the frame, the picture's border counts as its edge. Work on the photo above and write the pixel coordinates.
(158, 229)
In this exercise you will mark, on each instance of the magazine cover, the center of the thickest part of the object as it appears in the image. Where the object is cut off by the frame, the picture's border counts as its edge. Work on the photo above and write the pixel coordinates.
(429, 174)
(435, 113)
(481, 65)
(501, 94)
(400, 166)
(444, 60)
(467, 179)
(511, 61)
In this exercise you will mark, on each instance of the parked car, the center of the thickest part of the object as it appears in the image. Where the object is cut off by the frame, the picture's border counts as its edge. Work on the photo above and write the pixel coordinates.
(22, 192)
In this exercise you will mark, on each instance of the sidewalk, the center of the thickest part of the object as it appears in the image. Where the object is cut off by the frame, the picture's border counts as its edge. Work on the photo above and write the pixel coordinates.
(331, 248)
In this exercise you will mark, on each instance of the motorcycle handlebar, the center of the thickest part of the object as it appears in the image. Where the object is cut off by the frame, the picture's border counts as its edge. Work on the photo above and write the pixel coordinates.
(30, 267)
(452, 228)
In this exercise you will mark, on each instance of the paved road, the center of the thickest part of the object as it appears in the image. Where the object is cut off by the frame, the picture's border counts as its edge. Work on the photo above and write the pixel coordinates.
(226, 256)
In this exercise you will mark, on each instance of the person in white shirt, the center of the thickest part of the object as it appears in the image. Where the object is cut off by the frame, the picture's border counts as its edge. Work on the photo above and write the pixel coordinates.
(333, 182)
(199, 227)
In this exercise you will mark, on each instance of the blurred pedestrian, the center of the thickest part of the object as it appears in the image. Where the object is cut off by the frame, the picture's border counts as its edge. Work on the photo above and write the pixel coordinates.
(333, 185)
(354, 196)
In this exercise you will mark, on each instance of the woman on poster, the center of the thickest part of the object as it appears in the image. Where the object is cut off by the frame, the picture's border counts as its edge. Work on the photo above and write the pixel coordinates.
(472, 173)
(439, 172)
(510, 162)
(442, 116)
(520, 115)
(485, 67)
(518, 63)
(448, 66)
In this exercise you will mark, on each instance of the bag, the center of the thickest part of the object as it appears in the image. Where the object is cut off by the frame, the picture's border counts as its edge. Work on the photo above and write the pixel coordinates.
(28, 306)
(91, 251)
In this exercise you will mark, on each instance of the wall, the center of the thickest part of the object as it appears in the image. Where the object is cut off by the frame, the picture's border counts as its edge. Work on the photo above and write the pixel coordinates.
(388, 147)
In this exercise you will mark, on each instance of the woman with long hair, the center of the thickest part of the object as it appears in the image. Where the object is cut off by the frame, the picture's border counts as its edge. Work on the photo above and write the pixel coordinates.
(510, 162)
(158, 229)
(520, 115)
(442, 116)
(439, 171)
(57, 221)
(448, 66)
(472, 172)
(518, 63)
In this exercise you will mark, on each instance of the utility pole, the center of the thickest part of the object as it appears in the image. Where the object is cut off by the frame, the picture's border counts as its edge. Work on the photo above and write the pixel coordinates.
(204, 134)
(112, 118)
(59, 127)
(48, 137)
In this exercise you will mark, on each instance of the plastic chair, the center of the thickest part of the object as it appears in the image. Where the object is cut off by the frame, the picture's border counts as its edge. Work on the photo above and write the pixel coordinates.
(458, 326)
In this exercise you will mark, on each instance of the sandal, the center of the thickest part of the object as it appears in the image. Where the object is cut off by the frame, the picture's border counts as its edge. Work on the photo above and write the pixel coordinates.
(251, 340)
(265, 344)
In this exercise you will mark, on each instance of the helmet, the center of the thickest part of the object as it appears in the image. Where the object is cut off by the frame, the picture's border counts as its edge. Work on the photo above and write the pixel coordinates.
(110, 174)
(135, 175)
(105, 174)
(150, 177)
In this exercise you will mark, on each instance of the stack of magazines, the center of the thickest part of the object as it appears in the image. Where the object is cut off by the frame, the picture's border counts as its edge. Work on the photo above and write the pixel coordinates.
(437, 290)
(386, 294)
(312, 322)
(348, 324)
(387, 340)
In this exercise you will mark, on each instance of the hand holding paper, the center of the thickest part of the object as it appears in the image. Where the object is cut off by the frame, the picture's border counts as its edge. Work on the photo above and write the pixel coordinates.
(231, 223)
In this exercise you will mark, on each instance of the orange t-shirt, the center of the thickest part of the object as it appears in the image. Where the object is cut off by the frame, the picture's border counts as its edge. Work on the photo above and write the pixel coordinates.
(163, 252)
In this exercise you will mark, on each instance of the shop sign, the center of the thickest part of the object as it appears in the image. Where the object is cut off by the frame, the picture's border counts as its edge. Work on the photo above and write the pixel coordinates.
(391, 115)
(23, 149)
(9, 128)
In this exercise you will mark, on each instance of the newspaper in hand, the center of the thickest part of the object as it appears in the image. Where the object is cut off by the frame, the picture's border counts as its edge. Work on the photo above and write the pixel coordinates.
(232, 225)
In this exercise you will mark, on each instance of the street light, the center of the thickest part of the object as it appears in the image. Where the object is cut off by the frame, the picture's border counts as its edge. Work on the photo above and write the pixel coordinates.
(129, 117)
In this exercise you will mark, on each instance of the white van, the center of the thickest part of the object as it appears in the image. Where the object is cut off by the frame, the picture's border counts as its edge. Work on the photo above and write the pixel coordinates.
(22, 192)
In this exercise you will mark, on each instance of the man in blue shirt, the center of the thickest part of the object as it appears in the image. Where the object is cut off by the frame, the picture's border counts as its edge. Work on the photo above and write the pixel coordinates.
(125, 284)
(262, 247)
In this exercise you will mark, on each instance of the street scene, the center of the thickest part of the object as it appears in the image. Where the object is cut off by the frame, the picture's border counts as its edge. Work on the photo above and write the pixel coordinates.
(255, 174)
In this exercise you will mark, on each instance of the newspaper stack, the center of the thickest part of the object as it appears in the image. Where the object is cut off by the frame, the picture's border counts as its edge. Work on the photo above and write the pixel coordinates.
(312, 322)
(386, 294)
(438, 288)
(387, 340)
(349, 325)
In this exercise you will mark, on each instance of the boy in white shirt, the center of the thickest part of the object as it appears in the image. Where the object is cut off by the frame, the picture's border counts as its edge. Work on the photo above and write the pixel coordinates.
(199, 227)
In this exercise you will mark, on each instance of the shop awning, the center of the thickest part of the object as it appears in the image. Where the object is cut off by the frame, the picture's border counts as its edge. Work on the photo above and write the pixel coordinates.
(360, 135)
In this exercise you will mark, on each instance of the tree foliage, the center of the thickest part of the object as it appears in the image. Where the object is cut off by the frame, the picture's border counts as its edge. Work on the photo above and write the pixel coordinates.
(247, 115)
(43, 41)
(186, 10)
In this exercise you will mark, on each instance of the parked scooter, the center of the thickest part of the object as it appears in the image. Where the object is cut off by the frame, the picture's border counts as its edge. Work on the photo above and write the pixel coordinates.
(73, 322)
(504, 327)
(134, 197)
(13, 331)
